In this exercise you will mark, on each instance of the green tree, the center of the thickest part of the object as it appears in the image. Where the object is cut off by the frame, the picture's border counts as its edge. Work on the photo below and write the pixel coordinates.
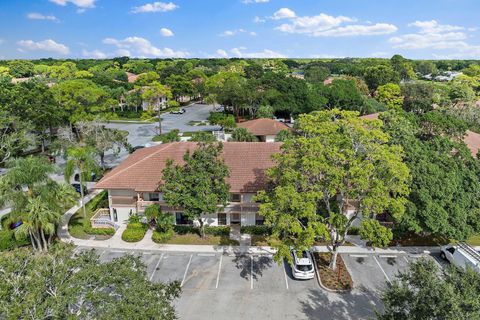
(380, 75)
(153, 94)
(390, 95)
(418, 97)
(21, 68)
(226, 121)
(403, 67)
(243, 135)
(421, 294)
(461, 93)
(202, 136)
(81, 159)
(152, 212)
(264, 112)
(138, 66)
(316, 74)
(67, 285)
(426, 68)
(14, 136)
(35, 199)
(375, 234)
(337, 160)
(198, 186)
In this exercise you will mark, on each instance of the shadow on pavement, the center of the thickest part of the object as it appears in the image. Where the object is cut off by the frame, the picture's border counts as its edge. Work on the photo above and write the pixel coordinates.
(244, 264)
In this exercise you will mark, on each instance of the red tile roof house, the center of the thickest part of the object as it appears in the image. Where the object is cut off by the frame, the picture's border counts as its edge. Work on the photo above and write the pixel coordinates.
(266, 130)
(134, 184)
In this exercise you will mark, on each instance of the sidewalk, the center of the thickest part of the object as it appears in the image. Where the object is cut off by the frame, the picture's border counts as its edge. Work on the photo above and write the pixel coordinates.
(147, 244)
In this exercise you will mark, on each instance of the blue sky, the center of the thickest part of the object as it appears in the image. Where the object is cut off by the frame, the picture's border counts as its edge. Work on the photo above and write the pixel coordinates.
(425, 29)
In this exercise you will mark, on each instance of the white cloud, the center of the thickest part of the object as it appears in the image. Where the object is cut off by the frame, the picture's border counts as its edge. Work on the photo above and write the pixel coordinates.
(241, 52)
(95, 54)
(155, 7)
(254, 1)
(432, 35)
(435, 36)
(141, 47)
(283, 13)
(222, 53)
(166, 32)
(39, 16)
(79, 3)
(257, 19)
(324, 25)
(231, 33)
(45, 45)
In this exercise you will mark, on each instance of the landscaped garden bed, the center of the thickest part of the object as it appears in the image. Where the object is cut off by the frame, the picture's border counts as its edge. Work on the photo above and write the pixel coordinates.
(189, 235)
(135, 232)
(337, 280)
(81, 228)
(417, 240)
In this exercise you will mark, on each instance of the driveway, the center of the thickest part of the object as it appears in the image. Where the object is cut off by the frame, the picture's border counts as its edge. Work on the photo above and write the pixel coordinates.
(253, 286)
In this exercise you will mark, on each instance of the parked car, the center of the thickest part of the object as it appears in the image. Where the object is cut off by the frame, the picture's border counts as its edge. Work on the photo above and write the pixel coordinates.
(461, 255)
(76, 186)
(179, 111)
(15, 225)
(302, 267)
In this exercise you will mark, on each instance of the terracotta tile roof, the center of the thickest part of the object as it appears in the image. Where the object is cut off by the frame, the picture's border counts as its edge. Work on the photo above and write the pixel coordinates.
(373, 116)
(132, 77)
(264, 126)
(142, 170)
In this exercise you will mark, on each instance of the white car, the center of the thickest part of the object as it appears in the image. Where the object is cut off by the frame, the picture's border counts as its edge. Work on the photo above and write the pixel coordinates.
(302, 267)
(461, 255)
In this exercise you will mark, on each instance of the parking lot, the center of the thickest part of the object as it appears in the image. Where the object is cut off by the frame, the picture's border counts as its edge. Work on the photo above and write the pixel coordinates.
(236, 286)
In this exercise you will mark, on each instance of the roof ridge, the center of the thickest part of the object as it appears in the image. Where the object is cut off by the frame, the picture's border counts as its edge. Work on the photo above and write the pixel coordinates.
(167, 145)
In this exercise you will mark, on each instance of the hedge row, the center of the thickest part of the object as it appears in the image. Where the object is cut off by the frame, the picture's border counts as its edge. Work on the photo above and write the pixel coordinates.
(134, 232)
(162, 237)
(215, 231)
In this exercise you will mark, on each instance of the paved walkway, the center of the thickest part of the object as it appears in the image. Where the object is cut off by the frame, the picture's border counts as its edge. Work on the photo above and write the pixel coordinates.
(147, 243)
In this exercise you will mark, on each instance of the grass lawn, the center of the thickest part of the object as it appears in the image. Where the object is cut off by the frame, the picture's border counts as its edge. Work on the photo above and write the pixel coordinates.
(339, 279)
(263, 241)
(194, 239)
(80, 228)
(474, 241)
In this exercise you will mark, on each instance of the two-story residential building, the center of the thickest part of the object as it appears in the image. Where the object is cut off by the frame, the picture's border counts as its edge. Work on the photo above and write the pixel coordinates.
(266, 130)
(135, 183)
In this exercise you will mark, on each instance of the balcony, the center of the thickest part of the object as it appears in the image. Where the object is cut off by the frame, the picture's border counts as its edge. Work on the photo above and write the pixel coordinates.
(123, 201)
(232, 207)
(101, 219)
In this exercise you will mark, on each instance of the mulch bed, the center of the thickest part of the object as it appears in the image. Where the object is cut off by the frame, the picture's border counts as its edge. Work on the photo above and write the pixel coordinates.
(338, 280)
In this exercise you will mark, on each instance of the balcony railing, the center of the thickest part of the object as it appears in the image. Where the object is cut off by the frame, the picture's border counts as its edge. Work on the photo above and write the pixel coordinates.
(232, 207)
(123, 201)
(101, 219)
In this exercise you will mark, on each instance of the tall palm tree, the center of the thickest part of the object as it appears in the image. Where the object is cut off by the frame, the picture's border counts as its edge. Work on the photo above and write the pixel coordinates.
(83, 160)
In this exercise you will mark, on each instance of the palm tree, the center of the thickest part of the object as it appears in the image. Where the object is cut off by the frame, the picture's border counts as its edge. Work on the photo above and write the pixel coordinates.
(36, 200)
(83, 160)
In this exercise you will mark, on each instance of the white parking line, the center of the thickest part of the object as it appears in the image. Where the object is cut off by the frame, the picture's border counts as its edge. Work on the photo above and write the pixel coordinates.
(388, 256)
(384, 273)
(285, 274)
(219, 268)
(406, 259)
(251, 272)
(358, 255)
(117, 251)
(156, 266)
(206, 254)
(186, 270)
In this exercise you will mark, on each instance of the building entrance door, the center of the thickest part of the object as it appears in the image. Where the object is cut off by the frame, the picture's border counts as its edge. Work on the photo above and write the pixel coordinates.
(235, 218)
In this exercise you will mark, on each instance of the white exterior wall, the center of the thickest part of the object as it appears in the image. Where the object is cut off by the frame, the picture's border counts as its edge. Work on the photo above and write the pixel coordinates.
(248, 219)
(270, 138)
(123, 214)
(123, 211)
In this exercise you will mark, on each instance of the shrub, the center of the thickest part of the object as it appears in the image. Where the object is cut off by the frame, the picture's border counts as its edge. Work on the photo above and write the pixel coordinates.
(218, 231)
(135, 232)
(162, 237)
(171, 136)
(183, 229)
(8, 240)
(165, 222)
(257, 230)
(353, 231)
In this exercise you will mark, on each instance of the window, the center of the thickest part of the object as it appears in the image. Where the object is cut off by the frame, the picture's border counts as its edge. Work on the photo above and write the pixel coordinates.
(235, 197)
(451, 250)
(222, 219)
(154, 196)
(181, 218)
(259, 220)
(115, 216)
